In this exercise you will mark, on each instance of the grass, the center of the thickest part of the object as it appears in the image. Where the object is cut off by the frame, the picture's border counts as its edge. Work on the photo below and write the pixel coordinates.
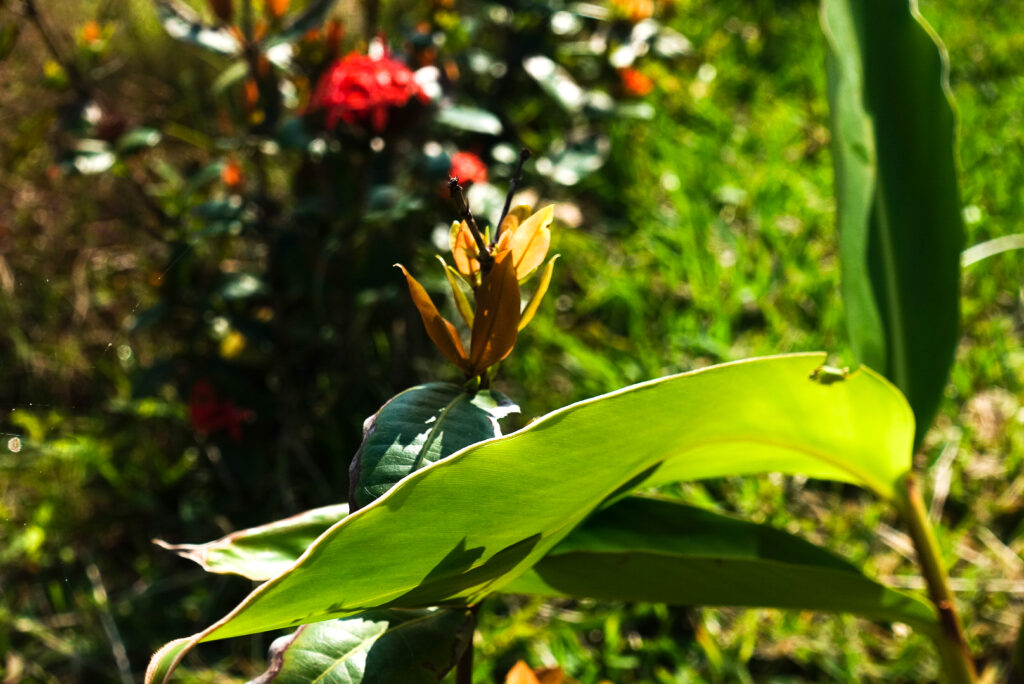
(708, 236)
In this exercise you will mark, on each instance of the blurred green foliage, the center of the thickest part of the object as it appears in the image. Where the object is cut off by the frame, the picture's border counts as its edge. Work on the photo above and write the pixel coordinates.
(706, 235)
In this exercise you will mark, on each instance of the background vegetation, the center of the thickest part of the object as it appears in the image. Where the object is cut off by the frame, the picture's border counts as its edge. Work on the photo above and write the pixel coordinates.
(707, 235)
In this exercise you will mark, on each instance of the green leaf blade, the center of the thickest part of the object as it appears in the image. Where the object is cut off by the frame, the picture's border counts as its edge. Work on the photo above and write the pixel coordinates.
(382, 647)
(899, 214)
(262, 552)
(665, 552)
(463, 527)
(418, 427)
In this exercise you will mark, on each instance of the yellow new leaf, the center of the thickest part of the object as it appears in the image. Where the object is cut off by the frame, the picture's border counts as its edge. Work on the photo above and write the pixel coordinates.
(529, 241)
(515, 216)
(440, 330)
(461, 302)
(496, 324)
(538, 295)
(465, 252)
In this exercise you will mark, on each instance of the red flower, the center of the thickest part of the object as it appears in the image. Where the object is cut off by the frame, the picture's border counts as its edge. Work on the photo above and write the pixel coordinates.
(208, 415)
(468, 168)
(635, 82)
(361, 89)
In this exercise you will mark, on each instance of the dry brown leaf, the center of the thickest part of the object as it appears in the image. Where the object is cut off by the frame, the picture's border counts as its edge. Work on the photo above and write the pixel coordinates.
(521, 674)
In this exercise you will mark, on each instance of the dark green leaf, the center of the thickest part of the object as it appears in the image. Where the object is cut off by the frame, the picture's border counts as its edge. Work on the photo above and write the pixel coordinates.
(418, 427)
(899, 216)
(381, 647)
(664, 552)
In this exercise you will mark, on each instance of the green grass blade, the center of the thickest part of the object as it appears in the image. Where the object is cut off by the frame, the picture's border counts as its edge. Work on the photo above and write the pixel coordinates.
(899, 215)
(664, 552)
(459, 529)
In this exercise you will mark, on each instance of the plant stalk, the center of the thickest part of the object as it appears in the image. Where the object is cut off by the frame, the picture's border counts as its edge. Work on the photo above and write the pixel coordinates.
(950, 641)
(464, 668)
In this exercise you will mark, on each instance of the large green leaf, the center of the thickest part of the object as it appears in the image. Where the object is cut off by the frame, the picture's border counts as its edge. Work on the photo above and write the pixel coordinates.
(461, 528)
(381, 647)
(260, 553)
(899, 216)
(659, 551)
(418, 427)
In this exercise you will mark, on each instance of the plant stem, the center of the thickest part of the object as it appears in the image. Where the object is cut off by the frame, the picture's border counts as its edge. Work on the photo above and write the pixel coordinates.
(484, 256)
(513, 185)
(951, 641)
(75, 77)
(464, 668)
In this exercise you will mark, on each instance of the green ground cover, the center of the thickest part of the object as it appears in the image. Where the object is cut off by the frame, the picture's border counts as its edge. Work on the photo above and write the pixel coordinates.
(708, 236)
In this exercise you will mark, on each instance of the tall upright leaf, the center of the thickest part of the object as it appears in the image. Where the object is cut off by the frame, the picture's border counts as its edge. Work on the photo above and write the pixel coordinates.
(900, 226)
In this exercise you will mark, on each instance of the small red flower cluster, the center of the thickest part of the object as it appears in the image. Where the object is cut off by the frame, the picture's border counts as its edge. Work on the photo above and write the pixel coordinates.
(208, 414)
(468, 168)
(361, 89)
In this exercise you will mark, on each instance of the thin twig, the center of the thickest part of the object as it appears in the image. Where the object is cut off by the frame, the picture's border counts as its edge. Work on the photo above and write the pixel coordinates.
(513, 185)
(485, 258)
